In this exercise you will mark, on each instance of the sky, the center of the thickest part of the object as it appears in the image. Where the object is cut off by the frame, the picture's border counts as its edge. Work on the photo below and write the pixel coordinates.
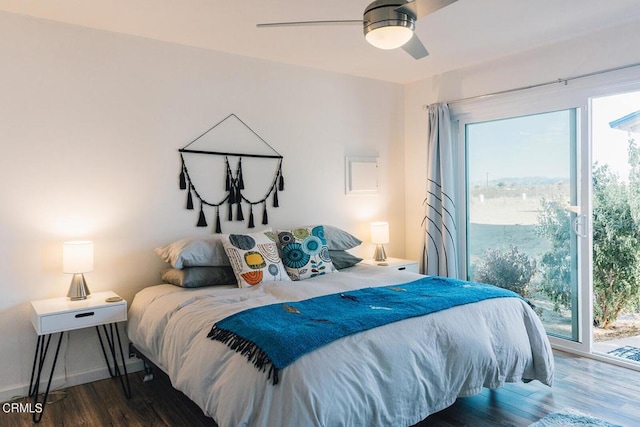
(610, 145)
(538, 145)
(528, 146)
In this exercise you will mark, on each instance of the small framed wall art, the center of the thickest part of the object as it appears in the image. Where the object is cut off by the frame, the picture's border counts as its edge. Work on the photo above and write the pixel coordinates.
(361, 175)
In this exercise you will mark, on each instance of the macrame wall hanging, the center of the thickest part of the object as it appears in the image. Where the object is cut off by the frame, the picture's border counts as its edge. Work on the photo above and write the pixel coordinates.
(233, 133)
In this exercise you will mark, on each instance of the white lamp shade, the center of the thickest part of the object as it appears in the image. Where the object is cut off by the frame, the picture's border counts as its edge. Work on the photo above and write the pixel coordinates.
(390, 37)
(77, 256)
(379, 233)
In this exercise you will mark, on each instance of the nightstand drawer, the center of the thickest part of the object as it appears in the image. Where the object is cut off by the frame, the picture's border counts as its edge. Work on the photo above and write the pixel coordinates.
(412, 267)
(395, 264)
(53, 315)
(77, 319)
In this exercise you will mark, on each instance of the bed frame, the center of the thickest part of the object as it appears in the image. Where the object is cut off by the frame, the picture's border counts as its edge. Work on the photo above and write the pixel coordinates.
(149, 366)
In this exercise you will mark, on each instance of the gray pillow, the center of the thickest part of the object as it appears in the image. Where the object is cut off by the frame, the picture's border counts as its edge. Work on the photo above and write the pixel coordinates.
(340, 240)
(198, 277)
(343, 259)
(194, 252)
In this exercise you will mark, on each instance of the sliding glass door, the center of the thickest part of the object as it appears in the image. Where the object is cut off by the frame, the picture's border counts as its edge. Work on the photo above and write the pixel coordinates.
(615, 130)
(524, 220)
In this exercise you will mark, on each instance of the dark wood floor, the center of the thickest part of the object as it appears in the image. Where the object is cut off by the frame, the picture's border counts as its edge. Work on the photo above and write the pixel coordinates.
(597, 388)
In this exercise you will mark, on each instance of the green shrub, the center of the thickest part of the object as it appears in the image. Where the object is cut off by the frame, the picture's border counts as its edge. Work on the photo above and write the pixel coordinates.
(510, 269)
(616, 247)
(554, 223)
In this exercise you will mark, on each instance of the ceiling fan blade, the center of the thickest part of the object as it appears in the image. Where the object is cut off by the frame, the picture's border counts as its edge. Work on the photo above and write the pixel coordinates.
(415, 48)
(420, 8)
(310, 23)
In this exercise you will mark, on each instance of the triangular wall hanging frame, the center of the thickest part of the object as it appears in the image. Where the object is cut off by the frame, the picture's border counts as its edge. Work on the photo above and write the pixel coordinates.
(229, 128)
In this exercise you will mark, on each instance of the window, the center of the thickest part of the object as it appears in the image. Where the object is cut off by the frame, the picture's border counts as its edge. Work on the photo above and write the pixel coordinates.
(522, 211)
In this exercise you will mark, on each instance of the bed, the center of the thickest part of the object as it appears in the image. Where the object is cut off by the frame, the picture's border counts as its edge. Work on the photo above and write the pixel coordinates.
(396, 374)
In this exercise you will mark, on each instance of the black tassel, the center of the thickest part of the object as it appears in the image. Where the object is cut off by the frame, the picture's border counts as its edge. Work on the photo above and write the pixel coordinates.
(239, 176)
(265, 217)
(232, 196)
(202, 221)
(275, 199)
(218, 226)
(183, 180)
(239, 214)
(251, 224)
(229, 177)
(189, 201)
(238, 198)
(230, 213)
(281, 182)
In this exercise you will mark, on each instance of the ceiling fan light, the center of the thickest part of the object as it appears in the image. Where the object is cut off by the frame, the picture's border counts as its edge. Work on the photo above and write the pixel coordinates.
(389, 37)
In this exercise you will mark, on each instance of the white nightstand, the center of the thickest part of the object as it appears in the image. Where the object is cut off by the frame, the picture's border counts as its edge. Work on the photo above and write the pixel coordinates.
(60, 315)
(395, 263)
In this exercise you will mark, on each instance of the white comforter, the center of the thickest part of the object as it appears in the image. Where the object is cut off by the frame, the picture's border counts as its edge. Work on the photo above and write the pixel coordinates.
(396, 374)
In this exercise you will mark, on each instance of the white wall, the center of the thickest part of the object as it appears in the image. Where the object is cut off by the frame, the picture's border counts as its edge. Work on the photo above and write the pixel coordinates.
(90, 124)
(598, 51)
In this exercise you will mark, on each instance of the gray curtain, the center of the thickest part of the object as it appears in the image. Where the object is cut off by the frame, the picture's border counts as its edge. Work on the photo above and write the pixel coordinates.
(440, 254)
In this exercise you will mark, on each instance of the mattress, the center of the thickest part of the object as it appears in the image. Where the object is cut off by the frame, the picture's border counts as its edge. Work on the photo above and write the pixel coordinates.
(396, 374)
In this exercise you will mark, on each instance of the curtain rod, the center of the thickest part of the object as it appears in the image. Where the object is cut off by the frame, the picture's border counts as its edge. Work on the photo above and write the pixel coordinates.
(552, 82)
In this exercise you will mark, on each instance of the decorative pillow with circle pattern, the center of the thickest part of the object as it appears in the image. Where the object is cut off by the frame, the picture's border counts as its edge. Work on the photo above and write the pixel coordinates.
(305, 253)
(254, 258)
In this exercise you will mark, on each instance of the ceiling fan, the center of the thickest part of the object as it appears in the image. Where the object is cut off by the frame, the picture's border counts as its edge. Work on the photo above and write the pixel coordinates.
(387, 24)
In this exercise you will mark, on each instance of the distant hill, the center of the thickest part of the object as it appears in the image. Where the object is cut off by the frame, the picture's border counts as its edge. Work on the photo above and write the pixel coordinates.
(527, 181)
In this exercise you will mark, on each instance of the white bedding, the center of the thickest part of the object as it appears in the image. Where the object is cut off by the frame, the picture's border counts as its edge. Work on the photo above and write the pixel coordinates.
(396, 374)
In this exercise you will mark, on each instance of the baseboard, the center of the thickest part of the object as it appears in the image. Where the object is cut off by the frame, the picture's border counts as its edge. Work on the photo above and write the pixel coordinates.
(60, 382)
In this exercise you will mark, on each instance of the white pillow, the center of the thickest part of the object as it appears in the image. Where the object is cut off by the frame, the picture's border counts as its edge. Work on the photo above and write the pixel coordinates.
(195, 252)
(254, 258)
(340, 240)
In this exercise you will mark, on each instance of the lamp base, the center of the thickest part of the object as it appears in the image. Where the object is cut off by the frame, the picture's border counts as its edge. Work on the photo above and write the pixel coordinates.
(379, 254)
(78, 290)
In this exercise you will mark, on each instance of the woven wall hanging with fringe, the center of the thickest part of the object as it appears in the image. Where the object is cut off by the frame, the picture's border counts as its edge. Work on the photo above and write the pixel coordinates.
(234, 184)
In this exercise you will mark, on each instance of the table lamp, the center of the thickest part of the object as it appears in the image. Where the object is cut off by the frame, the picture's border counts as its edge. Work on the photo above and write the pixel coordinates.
(379, 237)
(77, 258)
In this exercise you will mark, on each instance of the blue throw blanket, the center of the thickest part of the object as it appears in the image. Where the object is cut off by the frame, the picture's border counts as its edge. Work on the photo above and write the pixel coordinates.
(274, 336)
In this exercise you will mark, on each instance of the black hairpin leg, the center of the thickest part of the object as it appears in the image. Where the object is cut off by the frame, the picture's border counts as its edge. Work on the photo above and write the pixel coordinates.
(38, 362)
(115, 370)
